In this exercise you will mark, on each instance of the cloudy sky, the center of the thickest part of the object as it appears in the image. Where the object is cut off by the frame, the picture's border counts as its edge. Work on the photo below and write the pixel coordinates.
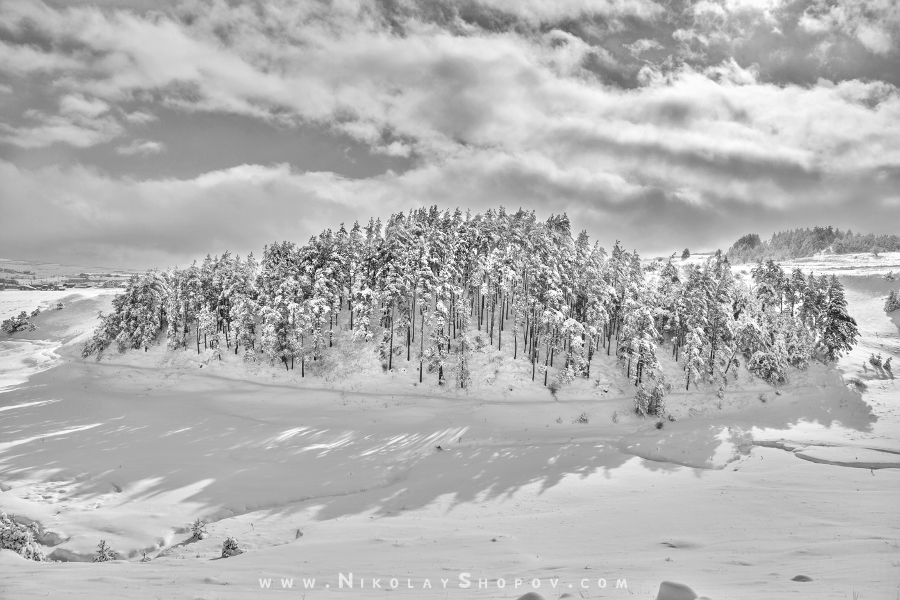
(146, 133)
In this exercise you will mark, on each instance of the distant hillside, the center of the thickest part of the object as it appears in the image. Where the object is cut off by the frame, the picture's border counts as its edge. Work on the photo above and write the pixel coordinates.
(798, 243)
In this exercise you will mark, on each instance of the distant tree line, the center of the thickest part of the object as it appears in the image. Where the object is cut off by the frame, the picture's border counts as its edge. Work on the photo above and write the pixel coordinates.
(798, 243)
(433, 288)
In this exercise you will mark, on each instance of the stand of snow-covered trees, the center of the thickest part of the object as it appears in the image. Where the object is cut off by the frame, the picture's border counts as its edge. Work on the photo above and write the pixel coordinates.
(434, 287)
(797, 243)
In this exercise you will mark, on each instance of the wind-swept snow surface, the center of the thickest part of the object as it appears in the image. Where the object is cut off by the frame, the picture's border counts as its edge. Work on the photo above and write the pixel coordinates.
(762, 493)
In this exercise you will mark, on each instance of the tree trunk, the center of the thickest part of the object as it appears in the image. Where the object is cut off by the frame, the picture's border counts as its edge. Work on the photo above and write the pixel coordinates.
(391, 348)
(500, 328)
(421, 345)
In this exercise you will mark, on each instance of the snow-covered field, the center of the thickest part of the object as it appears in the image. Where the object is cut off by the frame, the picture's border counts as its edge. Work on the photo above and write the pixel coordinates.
(762, 493)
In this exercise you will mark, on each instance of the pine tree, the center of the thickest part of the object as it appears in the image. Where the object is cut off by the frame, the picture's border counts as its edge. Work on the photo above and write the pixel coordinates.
(104, 553)
(839, 331)
(892, 303)
(796, 289)
(693, 358)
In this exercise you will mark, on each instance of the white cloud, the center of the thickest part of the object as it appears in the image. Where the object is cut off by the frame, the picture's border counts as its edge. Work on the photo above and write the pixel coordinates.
(23, 59)
(81, 122)
(541, 11)
(642, 45)
(141, 147)
(139, 117)
(393, 149)
(874, 23)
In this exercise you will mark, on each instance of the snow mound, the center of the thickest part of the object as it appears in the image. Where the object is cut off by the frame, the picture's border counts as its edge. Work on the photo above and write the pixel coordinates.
(670, 590)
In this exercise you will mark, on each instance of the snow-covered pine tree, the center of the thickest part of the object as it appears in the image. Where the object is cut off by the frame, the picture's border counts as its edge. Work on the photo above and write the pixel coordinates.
(639, 339)
(21, 539)
(839, 329)
(104, 553)
(892, 303)
(796, 289)
(770, 362)
(463, 347)
(693, 358)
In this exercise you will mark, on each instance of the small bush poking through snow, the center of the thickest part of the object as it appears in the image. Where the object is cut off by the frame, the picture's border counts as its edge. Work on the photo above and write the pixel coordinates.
(660, 424)
(230, 548)
(582, 418)
(20, 539)
(104, 553)
(615, 416)
(553, 387)
(875, 360)
(199, 529)
(859, 384)
(60, 306)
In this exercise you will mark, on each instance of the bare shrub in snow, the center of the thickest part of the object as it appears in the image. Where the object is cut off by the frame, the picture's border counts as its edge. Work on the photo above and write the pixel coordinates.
(859, 384)
(554, 388)
(20, 538)
(582, 419)
(875, 360)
